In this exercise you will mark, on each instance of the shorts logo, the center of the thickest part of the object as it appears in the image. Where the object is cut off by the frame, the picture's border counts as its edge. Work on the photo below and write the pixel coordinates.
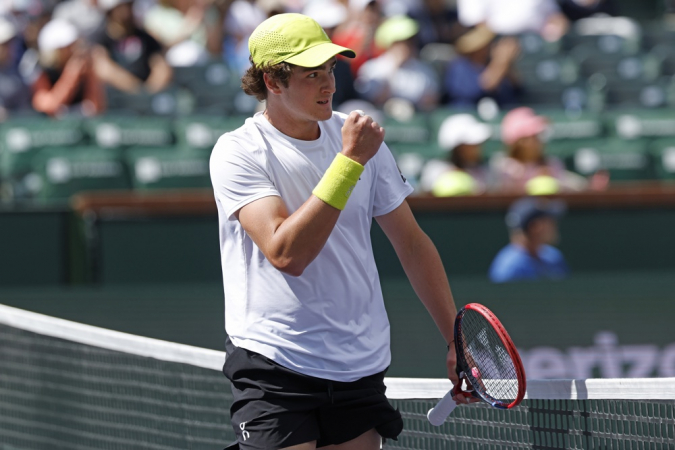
(245, 434)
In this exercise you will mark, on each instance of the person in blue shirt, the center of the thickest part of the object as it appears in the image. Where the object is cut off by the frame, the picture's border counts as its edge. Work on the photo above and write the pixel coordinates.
(533, 229)
(484, 68)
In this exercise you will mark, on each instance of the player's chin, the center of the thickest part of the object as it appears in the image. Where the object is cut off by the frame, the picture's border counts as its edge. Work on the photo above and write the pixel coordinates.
(325, 109)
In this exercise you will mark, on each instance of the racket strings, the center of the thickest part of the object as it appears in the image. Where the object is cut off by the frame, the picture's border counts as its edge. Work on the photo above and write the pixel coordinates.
(489, 366)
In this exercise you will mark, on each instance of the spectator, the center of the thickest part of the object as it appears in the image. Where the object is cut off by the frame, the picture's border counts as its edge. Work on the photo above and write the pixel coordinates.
(398, 73)
(580, 9)
(14, 94)
(67, 82)
(358, 33)
(462, 172)
(512, 17)
(483, 69)
(29, 23)
(533, 230)
(438, 22)
(330, 14)
(242, 18)
(526, 168)
(84, 14)
(126, 57)
(187, 29)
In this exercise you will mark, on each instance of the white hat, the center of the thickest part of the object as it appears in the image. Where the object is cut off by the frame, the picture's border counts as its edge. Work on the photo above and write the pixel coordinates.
(462, 129)
(56, 34)
(107, 5)
(327, 13)
(7, 30)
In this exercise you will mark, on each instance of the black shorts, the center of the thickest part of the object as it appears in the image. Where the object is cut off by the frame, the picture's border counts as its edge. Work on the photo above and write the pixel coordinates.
(275, 407)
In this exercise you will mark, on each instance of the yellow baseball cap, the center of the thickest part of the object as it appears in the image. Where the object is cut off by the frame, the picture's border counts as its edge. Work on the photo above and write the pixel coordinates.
(295, 39)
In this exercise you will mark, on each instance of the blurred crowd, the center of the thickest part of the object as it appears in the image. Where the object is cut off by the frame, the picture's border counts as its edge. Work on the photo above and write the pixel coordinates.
(59, 57)
(62, 58)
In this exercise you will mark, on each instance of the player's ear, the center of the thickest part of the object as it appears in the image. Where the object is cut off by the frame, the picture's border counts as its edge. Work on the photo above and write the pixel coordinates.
(272, 84)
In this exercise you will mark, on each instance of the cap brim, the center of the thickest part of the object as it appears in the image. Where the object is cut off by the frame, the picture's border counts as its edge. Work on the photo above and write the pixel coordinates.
(319, 54)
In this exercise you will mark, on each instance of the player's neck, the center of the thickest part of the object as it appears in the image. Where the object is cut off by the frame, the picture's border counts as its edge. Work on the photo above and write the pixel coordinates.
(292, 126)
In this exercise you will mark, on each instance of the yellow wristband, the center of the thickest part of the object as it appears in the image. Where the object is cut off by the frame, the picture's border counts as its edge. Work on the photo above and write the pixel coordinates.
(339, 181)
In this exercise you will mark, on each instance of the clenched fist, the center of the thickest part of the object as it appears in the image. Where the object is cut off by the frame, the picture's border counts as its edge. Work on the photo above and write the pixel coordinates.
(361, 137)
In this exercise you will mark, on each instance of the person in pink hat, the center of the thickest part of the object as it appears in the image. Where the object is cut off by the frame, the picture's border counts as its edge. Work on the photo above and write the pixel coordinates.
(526, 168)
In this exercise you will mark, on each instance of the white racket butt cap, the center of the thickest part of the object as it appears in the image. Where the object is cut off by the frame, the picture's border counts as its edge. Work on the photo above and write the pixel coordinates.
(442, 410)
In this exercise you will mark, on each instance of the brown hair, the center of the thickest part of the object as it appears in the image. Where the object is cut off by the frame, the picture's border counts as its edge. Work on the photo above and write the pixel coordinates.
(253, 82)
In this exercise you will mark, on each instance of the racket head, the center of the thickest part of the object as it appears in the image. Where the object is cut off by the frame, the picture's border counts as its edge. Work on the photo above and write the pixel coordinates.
(488, 358)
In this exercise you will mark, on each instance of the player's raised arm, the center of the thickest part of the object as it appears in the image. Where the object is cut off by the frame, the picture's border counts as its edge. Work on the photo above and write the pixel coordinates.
(291, 241)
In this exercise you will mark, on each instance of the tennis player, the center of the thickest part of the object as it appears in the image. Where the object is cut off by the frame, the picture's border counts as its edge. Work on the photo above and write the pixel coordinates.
(297, 187)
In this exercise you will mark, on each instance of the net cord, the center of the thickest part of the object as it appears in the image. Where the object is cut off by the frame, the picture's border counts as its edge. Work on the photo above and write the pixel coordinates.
(397, 388)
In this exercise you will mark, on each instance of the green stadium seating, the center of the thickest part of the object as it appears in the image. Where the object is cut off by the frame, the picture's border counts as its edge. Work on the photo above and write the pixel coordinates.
(216, 89)
(120, 132)
(624, 160)
(427, 150)
(168, 168)
(533, 46)
(21, 140)
(415, 130)
(623, 70)
(204, 131)
(556, 70)
(663, 154)
(169, 103)
(640, 123)
(215, 73)
(566, 125)
(62, 172)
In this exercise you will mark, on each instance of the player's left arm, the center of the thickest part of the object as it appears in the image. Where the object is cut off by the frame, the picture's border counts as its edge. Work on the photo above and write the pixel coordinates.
(424, 268)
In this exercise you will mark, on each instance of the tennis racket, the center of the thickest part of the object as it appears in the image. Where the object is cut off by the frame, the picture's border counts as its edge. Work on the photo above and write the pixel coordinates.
(487, 361)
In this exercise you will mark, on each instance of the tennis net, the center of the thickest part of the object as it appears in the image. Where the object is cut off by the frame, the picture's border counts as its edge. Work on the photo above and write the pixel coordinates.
(70, 386)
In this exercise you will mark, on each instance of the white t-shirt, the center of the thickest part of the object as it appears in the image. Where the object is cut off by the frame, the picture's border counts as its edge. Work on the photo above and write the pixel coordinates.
(507, 16)
(330, 322)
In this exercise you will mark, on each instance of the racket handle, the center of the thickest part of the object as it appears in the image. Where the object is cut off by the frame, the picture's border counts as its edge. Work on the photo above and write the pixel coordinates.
(442, 410)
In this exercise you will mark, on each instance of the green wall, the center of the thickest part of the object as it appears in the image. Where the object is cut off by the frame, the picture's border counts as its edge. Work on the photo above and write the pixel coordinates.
(33, 248)
(600, 325)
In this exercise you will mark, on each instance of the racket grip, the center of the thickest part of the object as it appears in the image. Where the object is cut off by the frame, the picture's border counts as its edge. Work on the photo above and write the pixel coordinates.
(442, 410)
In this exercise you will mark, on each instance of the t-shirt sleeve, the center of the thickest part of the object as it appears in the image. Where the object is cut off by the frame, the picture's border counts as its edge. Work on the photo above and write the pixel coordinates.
(391, 187)
(238, 176)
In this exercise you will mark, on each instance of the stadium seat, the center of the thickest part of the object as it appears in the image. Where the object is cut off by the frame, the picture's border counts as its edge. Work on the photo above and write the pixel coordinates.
(120, 132)
(534, 47)
(169, 103)
(62, 172)
(21, 138)
(608, 35)
(215, 73)
(573, 125)
(657, 94)
(168, 168)
(623, 69)
(426, 150)
(640, 123)
(216, 89)
(415, 130)
(204, 131)
(663, 154)
(557, 70)
(625, 160)
(577, 97)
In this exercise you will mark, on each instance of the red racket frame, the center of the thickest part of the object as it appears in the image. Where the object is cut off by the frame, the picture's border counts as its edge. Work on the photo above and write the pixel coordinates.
(508, 344)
